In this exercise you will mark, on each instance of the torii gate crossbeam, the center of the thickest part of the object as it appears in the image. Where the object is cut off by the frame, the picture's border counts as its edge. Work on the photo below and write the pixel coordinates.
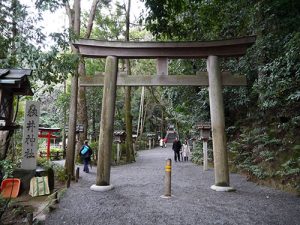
(211, 50)
(200, 79)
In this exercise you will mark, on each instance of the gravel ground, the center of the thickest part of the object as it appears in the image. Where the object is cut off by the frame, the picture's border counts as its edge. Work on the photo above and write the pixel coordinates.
(138, 187)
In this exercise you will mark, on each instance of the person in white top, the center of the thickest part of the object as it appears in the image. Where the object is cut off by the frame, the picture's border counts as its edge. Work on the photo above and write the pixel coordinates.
(186, 151)
(161, 142)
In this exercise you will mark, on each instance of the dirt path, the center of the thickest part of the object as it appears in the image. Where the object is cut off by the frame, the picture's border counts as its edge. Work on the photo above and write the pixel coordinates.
(138, 187)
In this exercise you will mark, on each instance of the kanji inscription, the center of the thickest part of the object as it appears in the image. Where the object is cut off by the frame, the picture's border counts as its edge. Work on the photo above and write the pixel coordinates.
(30, 135)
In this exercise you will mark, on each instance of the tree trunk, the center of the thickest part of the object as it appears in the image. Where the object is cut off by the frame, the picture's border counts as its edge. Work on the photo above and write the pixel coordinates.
(74, 23)
(64, 124)
(128, 121)
(6, 135)
(82, 117)
(82, 107)
(140, 111)
(6, 110)
(143, 118)
(162, 123)
(70, 153)
(128, 116)
(74, 20)
(94, 125)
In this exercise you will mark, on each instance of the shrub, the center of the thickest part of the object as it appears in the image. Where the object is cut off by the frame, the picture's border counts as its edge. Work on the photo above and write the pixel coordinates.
(6, 168)
(290, 167)
(197, 154)
(59, 171)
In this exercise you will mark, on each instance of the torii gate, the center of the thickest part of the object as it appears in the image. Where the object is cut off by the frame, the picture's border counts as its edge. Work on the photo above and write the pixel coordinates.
(214, 78)
(47, 133)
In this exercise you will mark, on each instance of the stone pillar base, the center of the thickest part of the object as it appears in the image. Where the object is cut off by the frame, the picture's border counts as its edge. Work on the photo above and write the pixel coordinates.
(224, 189)
(95, 187)
(25, 176)
(167, 197)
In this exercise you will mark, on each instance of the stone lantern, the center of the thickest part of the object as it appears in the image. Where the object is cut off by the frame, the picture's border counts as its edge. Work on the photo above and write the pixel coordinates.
(205, 130)
(134, 137)
(193, 137)
(151, 139)
(119, 137)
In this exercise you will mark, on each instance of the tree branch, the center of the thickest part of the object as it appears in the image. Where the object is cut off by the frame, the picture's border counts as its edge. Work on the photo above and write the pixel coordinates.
(70, 14)
(91, 18)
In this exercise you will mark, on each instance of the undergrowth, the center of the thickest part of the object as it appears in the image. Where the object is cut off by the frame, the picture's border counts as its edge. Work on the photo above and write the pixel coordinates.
(267, 152)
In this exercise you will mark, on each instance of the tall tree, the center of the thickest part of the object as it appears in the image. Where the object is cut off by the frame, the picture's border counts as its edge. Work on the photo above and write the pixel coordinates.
(82, 118)
(128, 116)
(82, 105)
(74, 25)
(21, 40)
(6, 135)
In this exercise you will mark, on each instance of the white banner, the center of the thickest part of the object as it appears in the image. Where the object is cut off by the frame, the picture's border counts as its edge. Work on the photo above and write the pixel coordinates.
(30, 135)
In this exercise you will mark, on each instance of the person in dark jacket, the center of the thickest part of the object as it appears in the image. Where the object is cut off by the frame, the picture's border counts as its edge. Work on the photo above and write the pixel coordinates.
(176, 148)
(86, 153)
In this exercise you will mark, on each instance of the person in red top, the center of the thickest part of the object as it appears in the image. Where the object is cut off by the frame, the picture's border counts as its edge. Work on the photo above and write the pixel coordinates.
(165, 142)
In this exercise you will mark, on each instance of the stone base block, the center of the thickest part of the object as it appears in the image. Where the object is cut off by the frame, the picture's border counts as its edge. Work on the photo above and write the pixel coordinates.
(95, 187)
(219, 188)
(167, 197)
(25, 176)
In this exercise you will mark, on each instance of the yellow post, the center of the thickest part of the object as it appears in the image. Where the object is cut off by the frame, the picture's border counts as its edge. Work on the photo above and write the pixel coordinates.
(168, 169)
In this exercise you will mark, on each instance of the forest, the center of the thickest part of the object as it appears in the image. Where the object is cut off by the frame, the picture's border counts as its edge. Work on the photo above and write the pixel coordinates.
(262, 119)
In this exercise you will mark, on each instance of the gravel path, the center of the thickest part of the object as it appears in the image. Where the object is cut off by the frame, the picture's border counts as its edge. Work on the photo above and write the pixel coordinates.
(138, 187)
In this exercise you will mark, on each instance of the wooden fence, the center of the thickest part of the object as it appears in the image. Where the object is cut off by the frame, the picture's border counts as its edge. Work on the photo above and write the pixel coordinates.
(53, 155)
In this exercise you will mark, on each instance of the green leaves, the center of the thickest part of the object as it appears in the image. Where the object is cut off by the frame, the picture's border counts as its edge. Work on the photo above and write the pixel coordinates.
(51, 5)
(7, 167)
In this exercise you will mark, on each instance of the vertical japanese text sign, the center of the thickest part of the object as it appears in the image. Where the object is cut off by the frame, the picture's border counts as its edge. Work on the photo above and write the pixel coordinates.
(30, 135)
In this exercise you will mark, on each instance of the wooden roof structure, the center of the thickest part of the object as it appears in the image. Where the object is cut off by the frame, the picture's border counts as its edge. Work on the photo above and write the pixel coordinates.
(12, 82)
(16, 80)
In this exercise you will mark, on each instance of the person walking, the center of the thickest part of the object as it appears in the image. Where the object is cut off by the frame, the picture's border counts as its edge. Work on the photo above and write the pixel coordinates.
(186, 151)
(161, 142)
(86, 153)
(165, 140)
(176, 148)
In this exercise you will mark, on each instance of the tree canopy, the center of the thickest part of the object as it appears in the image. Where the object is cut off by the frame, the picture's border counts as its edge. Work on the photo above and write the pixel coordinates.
(262, 119)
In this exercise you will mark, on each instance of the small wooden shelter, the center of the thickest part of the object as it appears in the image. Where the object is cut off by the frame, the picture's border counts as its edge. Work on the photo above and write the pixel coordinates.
(205, 130)
(12, 82)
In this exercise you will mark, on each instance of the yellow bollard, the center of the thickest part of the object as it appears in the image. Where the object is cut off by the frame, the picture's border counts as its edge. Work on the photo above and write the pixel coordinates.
(168, 169)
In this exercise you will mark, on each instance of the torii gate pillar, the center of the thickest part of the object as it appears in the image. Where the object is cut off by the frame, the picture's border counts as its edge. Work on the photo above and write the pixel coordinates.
(218, 126)
(106, 125)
